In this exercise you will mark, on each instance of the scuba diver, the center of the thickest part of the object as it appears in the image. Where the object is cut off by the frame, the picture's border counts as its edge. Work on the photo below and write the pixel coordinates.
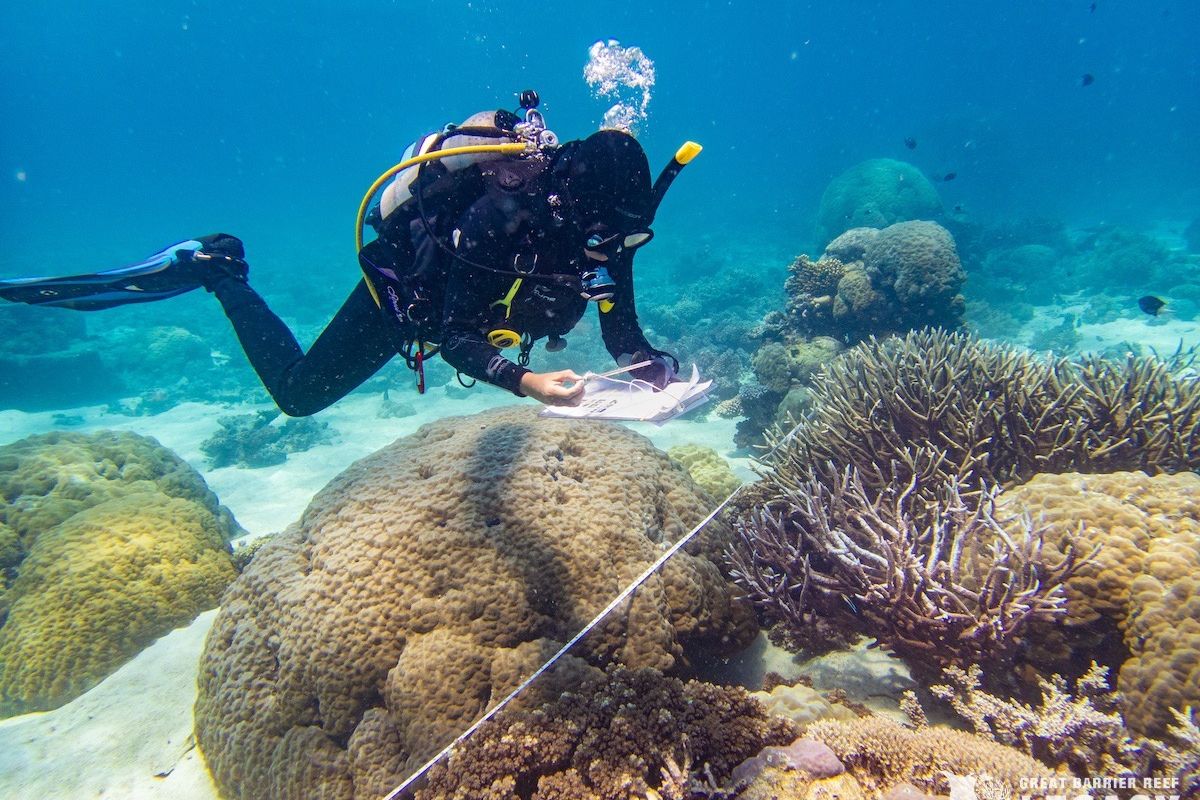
(490, 235)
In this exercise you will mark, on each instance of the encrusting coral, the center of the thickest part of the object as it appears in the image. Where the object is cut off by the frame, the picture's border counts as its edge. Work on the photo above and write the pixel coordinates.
(912, 432)
(109, 541)
(427, 580)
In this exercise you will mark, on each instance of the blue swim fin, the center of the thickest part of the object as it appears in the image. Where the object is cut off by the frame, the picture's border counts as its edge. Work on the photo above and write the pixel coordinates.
(157, 277)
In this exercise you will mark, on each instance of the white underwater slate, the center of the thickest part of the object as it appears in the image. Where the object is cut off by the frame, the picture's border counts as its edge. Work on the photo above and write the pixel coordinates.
(129, 738)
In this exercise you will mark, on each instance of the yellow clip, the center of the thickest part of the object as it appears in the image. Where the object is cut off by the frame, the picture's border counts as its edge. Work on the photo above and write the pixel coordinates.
(502, 338)
(506, 301)
(606, 306)
(687, 151)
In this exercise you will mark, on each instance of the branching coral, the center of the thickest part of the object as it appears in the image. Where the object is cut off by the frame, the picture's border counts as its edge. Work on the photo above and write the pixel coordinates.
(1074, 727)
(945, 585)
(815, 278)
(948, 407)
(616, 736)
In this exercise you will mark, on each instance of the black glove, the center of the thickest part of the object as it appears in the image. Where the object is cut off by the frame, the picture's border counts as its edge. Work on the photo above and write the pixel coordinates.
(661, 370)
(220, 256)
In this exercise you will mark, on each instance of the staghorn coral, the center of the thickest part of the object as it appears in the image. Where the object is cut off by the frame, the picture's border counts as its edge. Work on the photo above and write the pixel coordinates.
(616, 736)
(386, 620)
(1140, 598)
(110, 541)
(881, 754)
(948, 407)
(956, 588)
(875, 194)
(710, 472)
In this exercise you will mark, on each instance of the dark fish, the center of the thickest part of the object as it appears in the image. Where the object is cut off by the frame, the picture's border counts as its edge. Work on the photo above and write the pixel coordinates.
(1151, 304)
(949, 176)
(1092, 8)
(1087, 80)
(910, 143)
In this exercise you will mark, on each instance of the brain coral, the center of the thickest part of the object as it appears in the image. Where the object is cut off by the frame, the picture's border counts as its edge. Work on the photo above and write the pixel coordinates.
(1144, 585)
(107, 541)
(425, 580)
(875, 194)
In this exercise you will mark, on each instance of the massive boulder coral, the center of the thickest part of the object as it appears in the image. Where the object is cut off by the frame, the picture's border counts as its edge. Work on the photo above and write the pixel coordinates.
(107, 541)
(875, 194)
(1141, 594)
(423, 583)
(903, 277)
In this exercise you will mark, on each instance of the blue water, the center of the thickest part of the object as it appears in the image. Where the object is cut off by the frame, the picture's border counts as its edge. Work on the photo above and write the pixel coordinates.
(140, 124)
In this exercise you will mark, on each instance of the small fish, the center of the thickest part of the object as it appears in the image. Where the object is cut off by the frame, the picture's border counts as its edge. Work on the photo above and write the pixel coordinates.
(1151, 304)
(949, 176)
(1087, 80)
(1092, 8)
(910, 143)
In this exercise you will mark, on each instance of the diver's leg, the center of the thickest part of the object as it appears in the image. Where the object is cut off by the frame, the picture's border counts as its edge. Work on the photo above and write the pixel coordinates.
(352, 348)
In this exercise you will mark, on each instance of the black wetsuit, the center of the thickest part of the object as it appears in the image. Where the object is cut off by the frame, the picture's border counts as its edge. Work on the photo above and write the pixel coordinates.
(509, 228)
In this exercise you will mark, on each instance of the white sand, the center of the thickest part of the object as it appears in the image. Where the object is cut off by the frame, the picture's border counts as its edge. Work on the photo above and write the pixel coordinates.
(128, 738)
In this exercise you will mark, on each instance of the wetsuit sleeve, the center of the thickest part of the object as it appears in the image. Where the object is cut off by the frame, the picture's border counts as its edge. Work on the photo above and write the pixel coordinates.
(619, 326)
(469, 295)
(352, 348)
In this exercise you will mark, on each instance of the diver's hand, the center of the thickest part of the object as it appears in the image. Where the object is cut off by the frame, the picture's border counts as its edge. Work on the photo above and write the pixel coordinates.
(550, 388)
(220, 256)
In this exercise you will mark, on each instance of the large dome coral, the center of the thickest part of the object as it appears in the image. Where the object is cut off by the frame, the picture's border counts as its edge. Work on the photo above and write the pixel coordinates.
(107, 541)
(875, 194)
(425, 580)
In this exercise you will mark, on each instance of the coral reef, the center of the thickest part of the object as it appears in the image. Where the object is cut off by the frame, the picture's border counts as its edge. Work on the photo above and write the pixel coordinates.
(875, 194)
(951, 586)
(710, 472)
(902, 277)
(252, 440)
(1138, 602)
(613, 737)
(1071, 726)
(368, 634)
(46, 361)
(107, 541)
(917, 433)
(881, 754)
